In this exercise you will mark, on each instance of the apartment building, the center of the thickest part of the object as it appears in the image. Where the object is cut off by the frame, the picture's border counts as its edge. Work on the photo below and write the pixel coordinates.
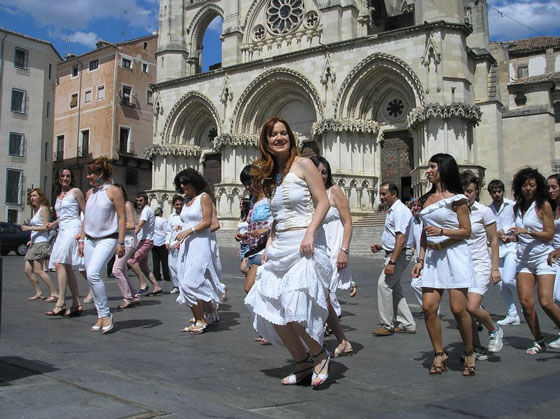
(27, 75)
(104, 108)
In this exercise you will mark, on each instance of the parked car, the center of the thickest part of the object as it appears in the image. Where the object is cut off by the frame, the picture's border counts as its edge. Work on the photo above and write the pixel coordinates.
(12, 238)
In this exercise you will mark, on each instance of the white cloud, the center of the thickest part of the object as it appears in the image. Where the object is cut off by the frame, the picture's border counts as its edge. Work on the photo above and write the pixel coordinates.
(542, 16)
(77, 14)
(216, 25)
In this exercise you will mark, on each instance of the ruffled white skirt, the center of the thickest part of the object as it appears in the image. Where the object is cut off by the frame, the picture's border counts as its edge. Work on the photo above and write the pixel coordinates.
(334, 232)
(65, 248)
(291, 288)
(448, 268)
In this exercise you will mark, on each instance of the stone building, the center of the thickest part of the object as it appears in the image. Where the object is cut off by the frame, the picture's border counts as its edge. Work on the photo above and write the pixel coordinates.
(375, 86)
(27, 78)
(104, 107)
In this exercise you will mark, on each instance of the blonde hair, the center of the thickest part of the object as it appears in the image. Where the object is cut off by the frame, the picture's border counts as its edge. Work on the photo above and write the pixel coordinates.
(43, 200)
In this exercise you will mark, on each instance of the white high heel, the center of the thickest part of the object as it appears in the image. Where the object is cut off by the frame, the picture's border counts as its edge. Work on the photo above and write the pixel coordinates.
(107, 329)
(323, 376)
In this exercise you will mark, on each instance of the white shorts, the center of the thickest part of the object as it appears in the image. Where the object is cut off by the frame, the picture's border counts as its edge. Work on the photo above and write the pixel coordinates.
(481, 278)
(536, 266)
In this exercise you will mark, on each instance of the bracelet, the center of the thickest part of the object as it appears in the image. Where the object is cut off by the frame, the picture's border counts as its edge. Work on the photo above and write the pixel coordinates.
(345, 250)
(441, 231)
(421, 261)
(80, 240)
(495, 270)
(121, 243)
(193, 230)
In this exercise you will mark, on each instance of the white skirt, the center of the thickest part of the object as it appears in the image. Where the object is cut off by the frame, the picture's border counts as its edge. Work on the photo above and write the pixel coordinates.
(450, 268)
(340, 279)
(65, 249)
(291, 288)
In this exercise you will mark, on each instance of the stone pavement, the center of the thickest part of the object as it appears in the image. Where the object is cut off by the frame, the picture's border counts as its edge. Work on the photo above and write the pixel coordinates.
(55, 367)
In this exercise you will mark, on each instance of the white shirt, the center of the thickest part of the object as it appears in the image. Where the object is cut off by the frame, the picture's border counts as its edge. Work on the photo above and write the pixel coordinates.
(505, 221)
(398, 220)
(481, 217)
(147, 230)
(415, 234)
(173, 222)
(160, 231)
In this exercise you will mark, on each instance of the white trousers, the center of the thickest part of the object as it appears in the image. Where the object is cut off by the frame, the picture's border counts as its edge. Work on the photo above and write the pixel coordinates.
(172, 263)
(97, 254)
(508, 285)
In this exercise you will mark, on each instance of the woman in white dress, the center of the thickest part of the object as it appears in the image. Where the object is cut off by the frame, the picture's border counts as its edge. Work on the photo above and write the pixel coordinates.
(102, 233)
(69, 204)
(338, 232)
(553, 183)
(534, 229)
(486, 265)
(199, 281)
(444, 259)
(289, 297)
(39, 247)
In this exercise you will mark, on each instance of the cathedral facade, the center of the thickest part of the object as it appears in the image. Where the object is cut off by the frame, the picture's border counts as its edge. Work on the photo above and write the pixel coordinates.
(376, 87)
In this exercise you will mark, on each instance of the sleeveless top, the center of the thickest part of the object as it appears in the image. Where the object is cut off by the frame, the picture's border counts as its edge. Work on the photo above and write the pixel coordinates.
(192, 216)
(291, 204)
(242, 227)
(332, 213)
(68, 212)
(101, 217)
(525, 243)
(441, 215)
(556, 242)
(38, 236)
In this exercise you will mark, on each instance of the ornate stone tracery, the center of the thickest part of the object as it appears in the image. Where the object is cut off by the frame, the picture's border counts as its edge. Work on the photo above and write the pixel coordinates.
(283, 16)
(420, 114)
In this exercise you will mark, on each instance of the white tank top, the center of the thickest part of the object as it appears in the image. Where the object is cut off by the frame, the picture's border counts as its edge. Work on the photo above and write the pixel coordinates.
(291, 204)
(526, 244)
(38, 236)
(556, 242)
(68, 212)
(101, 216)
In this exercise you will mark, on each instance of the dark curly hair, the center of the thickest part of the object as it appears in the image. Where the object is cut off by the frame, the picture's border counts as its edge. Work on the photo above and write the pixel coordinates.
(191, 177)
(522, 176)
(448, 173)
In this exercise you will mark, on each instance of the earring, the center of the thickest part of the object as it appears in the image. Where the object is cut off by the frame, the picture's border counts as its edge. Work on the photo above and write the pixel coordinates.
(98, 180)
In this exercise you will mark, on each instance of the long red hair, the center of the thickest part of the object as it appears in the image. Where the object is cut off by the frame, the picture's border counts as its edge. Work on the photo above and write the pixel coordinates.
(265, 169)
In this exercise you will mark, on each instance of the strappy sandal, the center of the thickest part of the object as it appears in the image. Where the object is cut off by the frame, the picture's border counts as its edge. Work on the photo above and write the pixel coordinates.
(538, 347)
(298, 376)
(323, 373)
(125, 304)
(52, 299)
(198, 328)
(74, 311)
(442, 367)
(353, 289)
(469, 370)
(38, 297)
(60, 312)
(344, 348)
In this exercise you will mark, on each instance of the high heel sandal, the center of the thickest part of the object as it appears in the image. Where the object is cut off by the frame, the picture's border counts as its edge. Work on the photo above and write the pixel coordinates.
(344, 348)
(469, 370)
(442, 367)
(297, 377)
(321, 375)
(74, 311)
(57, 313)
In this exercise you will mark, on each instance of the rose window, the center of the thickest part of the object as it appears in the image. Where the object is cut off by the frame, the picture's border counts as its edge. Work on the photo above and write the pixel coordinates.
(395, 108)
(259, 33)
(284, 15)
(311, 19)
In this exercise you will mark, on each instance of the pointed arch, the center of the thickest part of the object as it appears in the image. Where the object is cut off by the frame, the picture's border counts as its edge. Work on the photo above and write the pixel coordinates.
(199, 24)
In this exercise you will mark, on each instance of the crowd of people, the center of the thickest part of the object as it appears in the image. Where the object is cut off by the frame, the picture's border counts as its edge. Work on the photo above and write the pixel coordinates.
(294, 236)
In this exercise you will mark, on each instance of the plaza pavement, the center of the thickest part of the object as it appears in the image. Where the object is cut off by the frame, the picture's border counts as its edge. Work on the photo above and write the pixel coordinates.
(147, 368)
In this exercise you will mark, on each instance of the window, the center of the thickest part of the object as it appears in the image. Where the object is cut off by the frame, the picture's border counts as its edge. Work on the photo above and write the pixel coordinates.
(124, 134)
(48, 115)
(84, 143)
(14, 186)
(100, 92)
(45, 183)
(93, 65)
(74, 100)
(145, 45)
(20, 58)
(16, 145)
(47, 152)
(126, 63)
(75, 71)
(126, 95)
(59, 148)
(18, 100)
(145, 68)
(522, 71)
(557, 112)
(150, 97)
(13, 216)
(87, 96)
(50, 71)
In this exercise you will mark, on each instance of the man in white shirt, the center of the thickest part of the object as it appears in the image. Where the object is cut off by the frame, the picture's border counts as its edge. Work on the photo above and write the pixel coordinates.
(397, 258)
(174, 226)
(503, 210)
(145, 235)
(159, 251)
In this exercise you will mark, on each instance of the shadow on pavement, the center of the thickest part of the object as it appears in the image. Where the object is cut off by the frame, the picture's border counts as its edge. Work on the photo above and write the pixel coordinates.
(134, 324)
(336, 371)
(14, 368)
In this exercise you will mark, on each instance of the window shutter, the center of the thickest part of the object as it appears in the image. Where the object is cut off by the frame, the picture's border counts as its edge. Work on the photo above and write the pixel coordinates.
(21, 188)
(25, 102)
(23, 146)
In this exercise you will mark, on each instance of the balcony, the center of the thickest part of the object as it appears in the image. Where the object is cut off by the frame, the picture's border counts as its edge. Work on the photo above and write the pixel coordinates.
(59, 156)
(83, 152)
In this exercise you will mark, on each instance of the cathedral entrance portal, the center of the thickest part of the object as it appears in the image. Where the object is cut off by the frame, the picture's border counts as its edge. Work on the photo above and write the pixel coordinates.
(397, 162)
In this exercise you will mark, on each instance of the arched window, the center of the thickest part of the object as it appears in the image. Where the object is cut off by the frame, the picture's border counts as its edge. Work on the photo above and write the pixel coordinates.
(212, 46)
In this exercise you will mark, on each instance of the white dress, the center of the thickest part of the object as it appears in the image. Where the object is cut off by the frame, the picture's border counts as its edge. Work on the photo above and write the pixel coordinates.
(65, 249)
(451, 267)
(290, 287)
(556, 245)
(481, 217)
(196, 270)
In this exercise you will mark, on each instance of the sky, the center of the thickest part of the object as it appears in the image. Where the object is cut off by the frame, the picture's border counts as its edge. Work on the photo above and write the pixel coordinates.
(76, 28)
